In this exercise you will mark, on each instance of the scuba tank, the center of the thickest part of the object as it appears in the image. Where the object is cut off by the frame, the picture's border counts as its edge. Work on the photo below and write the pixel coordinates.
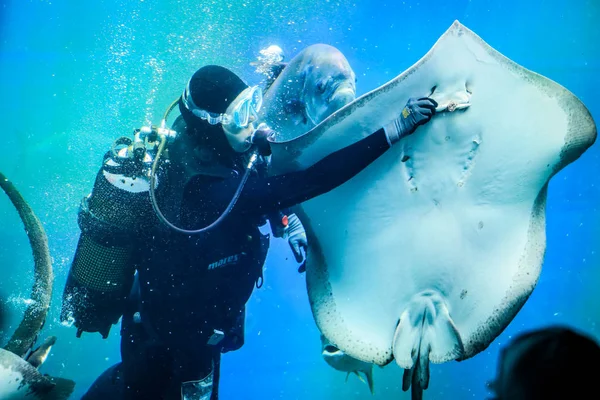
(110, 218)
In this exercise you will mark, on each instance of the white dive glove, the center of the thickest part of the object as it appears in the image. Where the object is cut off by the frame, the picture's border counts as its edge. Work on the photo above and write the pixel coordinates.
(296, 237)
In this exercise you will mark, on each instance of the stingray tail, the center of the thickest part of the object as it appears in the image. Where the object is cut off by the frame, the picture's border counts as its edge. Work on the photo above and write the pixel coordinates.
(416, 379)
(425, 333)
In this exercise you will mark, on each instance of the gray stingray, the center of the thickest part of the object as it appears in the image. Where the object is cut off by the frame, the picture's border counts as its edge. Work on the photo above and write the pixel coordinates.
(19, 376)
(430, 252)
(340, 361)
(314, 84)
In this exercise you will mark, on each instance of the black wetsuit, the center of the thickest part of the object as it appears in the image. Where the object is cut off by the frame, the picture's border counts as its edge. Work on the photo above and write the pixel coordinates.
(264, 195)
(190, 285)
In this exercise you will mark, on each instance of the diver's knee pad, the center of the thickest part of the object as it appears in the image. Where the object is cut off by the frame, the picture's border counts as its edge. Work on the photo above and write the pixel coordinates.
(198, 390)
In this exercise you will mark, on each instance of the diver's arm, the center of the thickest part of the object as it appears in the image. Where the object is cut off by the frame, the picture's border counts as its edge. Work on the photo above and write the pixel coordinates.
(332, 171)
(265, 195)
(344, 164)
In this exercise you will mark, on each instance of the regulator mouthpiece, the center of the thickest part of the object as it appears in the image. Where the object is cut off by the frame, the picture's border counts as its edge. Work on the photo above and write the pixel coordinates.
(260, 138)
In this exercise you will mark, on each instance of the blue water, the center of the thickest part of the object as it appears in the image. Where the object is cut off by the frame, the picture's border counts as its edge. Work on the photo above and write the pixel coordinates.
(76, 75)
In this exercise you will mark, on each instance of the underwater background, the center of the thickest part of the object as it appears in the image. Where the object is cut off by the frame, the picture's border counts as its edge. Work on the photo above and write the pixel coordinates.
(76, 75)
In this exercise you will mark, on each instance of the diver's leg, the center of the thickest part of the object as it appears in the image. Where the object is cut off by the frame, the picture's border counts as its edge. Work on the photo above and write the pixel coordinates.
(197, 373)
(109, 385)
(147, 366)
(216, 375)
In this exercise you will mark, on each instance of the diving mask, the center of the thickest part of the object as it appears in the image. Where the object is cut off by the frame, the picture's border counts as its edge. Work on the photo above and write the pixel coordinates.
(249, 103)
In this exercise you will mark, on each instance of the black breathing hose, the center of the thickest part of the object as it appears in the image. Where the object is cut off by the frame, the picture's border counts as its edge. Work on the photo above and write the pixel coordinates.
(163, 219)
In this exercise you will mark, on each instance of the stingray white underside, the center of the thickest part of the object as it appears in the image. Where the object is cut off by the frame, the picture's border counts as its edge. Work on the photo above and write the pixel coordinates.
(435, 247)
(14, 385)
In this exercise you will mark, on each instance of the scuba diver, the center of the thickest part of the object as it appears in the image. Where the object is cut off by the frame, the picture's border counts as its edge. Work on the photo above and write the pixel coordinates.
(170, 237)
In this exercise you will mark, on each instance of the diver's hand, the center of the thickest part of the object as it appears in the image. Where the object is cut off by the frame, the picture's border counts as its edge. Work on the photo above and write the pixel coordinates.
(416, 112)
(297, 237)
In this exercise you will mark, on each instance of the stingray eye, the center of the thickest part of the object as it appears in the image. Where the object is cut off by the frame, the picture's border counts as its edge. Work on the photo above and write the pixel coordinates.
(321, 86)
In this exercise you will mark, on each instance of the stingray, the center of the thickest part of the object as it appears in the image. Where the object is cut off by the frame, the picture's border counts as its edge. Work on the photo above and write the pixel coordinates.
(430, 252)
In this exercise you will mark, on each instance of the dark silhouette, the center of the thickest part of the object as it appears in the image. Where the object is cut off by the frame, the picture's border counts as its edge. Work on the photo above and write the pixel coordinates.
(555, 362)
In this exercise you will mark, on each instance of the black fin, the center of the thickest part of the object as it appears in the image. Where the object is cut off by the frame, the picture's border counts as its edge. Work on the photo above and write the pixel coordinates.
(63, 389)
